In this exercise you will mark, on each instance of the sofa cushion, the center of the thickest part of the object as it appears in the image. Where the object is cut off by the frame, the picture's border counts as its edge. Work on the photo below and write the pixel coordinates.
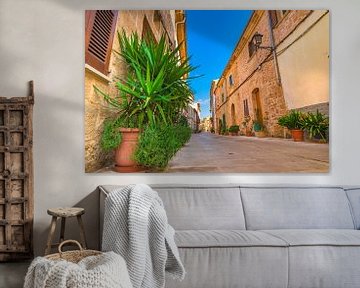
(226, 238)
(328, 258)
(296, 208)
(192, 208)
(198, 206)
(315, 237)
(324, 266)
(354, 198)
(223, 267)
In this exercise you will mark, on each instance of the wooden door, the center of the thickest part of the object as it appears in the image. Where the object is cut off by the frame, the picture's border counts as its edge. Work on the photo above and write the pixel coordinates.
(256, 102)
(16, 177)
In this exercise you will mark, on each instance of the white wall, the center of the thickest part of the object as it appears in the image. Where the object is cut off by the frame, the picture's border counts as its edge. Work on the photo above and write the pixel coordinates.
(304, 66)
(43, 40)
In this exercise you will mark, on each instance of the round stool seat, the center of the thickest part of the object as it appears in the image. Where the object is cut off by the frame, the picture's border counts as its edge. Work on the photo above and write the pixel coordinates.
(66, 211)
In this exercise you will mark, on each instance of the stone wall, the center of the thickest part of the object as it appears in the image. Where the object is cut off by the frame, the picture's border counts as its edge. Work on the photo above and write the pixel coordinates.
(321, 107)
(96, 109)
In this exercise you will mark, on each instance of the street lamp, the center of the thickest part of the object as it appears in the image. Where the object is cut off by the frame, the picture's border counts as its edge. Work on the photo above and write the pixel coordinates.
(257, 40)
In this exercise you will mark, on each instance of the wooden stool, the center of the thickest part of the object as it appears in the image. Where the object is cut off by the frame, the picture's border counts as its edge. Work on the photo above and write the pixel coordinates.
(64, 213)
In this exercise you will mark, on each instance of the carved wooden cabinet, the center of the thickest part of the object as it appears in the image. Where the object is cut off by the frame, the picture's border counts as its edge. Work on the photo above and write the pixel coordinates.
(16, 177)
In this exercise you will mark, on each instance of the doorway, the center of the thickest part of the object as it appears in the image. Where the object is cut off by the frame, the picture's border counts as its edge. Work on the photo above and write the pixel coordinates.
(256, 102)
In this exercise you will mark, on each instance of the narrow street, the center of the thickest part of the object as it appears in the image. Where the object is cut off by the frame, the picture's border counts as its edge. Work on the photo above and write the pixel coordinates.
(206, 152)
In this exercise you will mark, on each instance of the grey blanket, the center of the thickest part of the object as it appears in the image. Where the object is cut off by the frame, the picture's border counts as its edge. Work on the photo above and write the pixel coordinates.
(136, 227)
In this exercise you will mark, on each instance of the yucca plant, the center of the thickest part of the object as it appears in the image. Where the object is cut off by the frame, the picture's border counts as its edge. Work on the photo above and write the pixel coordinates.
(316, 124)
(156, 89)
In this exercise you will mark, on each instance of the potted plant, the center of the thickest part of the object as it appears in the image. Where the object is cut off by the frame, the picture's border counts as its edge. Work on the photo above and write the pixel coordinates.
(294, 121)
(155, 92)
(234, 130)
(246, 125)
(259, 129)
(316, 125)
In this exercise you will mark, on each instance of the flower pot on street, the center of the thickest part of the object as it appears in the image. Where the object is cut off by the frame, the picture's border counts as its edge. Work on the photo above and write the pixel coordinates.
(234, 130)
(248, 133)
(258, 128)
(124, 153)
(297, 135)
(260, 134)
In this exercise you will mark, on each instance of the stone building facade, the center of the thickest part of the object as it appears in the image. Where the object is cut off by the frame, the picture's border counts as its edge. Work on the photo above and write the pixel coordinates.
(206, 124)
(213, 105)
(103, 66)
(259, 84)
(192, 114)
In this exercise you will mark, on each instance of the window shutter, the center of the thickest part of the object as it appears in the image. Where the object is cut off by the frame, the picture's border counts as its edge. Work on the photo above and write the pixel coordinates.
(100, 27)
(274, 18)
(246, 108)
(147, 33)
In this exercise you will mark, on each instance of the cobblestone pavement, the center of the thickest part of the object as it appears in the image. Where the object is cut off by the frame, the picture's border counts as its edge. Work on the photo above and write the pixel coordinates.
(206, 152)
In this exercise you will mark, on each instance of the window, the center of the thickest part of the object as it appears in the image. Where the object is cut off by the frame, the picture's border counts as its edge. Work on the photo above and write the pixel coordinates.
(99, 28)
(231, 81)
(222, 97)
(246, 108)
(252, 48)
(276, 16)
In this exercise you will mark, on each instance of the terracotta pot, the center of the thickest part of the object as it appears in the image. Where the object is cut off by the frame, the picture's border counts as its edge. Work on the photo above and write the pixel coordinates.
(126, 149)
(297, 135)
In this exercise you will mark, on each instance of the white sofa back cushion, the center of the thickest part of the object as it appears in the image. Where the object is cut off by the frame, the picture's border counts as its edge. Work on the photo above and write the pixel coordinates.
(296, 208)
(203, 208)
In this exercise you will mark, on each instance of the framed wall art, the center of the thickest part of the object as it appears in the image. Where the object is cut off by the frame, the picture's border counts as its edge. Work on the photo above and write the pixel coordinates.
(224, 91)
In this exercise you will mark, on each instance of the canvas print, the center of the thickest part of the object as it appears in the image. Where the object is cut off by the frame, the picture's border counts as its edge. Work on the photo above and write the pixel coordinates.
(224, 91)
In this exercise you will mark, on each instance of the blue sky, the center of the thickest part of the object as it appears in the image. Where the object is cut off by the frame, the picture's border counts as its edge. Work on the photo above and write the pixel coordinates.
(211, 38)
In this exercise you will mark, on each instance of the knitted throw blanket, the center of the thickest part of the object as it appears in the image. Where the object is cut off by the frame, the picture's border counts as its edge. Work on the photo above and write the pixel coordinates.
(103, 271)
(136, 227)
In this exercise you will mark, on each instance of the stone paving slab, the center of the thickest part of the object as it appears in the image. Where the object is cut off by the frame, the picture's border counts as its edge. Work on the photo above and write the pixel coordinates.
(206, 152)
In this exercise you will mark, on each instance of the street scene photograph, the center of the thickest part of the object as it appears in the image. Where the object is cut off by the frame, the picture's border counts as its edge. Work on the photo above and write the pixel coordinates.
(207, 91)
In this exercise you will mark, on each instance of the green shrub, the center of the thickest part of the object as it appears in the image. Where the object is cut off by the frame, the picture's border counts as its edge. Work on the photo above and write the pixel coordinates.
(234, 129)
(158, 144)
(294, 120)
(111, 136)
(316, 125)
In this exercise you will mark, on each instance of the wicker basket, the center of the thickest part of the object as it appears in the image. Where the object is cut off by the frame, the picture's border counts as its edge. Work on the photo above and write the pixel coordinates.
(72, 256)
